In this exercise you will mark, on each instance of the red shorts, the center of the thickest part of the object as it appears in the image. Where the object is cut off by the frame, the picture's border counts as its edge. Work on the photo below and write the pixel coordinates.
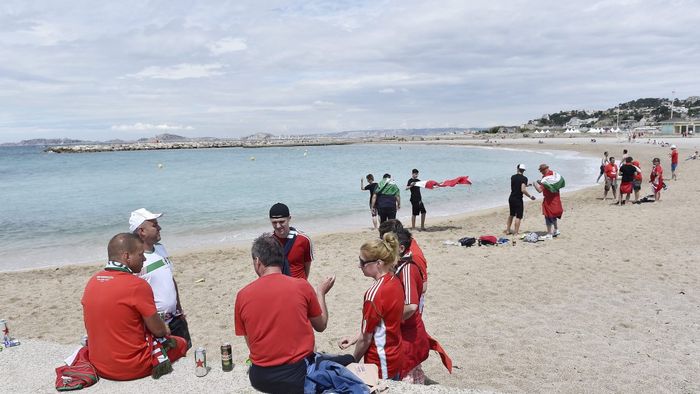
(626, 187)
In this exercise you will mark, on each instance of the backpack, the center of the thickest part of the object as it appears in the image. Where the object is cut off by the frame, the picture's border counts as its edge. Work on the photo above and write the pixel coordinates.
(488, 240)
(531, 237)
(467, 241)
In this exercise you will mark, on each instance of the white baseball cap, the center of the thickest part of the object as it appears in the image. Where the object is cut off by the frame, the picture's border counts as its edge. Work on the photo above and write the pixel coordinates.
(521, 167)
(139, 216)
(673, 147)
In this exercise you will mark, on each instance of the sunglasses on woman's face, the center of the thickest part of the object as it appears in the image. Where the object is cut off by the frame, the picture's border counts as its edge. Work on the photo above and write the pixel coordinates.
(365, 262)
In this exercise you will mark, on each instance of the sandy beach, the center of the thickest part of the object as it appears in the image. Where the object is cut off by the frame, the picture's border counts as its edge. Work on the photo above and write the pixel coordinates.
(611, 305)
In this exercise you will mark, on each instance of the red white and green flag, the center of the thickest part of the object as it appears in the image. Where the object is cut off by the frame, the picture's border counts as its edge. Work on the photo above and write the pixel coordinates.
(553, 182)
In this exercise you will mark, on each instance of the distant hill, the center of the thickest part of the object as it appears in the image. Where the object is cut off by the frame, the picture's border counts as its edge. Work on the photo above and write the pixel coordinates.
(47, 142)
(640, 112)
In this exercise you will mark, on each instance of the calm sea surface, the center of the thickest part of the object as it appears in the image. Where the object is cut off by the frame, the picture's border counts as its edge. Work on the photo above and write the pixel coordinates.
(63, 208)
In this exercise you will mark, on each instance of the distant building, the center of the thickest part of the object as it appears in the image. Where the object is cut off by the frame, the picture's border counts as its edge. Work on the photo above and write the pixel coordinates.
(680, 126)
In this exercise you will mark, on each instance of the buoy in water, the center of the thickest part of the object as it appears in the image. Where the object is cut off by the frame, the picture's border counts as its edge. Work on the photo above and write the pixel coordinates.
(252, 158)
(160, 165)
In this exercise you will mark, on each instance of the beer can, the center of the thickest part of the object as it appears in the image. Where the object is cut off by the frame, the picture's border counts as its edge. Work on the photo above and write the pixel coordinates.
(83, 340)
(3, 328)
(226, 357)
(200, 362)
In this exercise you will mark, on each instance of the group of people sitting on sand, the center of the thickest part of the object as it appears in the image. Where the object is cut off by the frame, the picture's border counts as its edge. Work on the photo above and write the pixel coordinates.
(136, 325)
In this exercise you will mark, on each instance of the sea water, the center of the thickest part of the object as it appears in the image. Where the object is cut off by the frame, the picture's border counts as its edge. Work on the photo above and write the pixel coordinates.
(60, 209)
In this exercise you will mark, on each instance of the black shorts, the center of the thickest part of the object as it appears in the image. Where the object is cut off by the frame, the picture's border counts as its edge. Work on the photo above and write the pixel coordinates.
(287, 378)
(637, 185)
(516, 207)
(418, 207)
(386, 214)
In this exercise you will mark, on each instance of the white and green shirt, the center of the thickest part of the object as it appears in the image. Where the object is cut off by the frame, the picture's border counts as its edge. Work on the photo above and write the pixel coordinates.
(158, 272)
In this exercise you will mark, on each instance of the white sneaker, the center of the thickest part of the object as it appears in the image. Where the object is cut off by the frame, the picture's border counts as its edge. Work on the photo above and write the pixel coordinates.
(556, 233)
(548, 236)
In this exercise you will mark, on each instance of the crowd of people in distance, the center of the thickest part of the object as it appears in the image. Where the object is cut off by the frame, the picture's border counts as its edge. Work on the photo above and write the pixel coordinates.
(136, 325)
(631, 177)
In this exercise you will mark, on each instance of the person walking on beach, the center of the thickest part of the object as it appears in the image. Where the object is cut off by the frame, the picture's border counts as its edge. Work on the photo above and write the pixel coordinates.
(416, 200)
(379, 340)
(386, 199)
(551, 202)
(277, 315)
(603, 163)
(518, 189)
(674, 161)
(298, 250)
(610, 179)
(656, 178)
(121, 318)
(158, 272)
(371, 187)
(628, 172)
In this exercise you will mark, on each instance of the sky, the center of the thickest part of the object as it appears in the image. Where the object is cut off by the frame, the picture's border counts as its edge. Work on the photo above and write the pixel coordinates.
(131, 69)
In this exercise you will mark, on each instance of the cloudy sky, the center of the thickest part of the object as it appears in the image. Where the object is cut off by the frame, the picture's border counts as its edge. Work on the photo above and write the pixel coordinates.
(130, 69)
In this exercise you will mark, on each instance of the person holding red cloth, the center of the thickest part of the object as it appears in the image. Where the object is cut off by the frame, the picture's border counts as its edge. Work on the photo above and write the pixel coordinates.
(656, 178)
(551, 203)
(379, 340)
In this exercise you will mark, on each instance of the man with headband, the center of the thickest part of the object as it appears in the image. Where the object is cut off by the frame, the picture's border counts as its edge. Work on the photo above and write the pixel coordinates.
(298, 251)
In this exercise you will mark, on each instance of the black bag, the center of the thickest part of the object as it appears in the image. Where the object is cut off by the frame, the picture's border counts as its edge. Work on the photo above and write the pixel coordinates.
(467, 241)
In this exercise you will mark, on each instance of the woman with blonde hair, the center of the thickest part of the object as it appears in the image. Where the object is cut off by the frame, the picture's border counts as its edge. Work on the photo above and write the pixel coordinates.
(379, 340)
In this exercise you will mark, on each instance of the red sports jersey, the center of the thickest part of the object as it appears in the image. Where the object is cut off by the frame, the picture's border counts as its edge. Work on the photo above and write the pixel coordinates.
(273, 313)
(674, 156)
(114, 306)
(415, 340)
(381, 316)
(611, 170)
(300, 254)
(638, 175)
(419, 258)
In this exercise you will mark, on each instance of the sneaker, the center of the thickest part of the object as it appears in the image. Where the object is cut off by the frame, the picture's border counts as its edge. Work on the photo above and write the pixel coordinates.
(548, 236)
(556, 233)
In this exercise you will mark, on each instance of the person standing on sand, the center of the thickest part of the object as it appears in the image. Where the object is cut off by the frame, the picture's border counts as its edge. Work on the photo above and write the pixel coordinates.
(121, 319)
(371, 187)
(379, 341)
(656, 178)
(158, 272)
(386, 199)
(277, 315)
(551, 202)
(518, 189)
(610, 179)
(674, 161)
(298, 250)
(416, 200)
(637, 183)
(603, 163)
(628, 172)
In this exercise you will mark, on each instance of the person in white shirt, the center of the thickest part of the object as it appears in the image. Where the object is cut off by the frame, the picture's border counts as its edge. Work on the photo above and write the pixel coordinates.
(158, 272)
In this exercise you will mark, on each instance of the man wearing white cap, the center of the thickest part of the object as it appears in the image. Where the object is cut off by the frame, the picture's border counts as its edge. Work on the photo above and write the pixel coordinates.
(518, 188)
(158, 272)
(674, 161)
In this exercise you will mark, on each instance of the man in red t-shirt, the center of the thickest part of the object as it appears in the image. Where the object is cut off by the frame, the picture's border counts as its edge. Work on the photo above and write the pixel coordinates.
(297, 246)
(277, 315)
(674, 161)
(610, 171)
(120, 315)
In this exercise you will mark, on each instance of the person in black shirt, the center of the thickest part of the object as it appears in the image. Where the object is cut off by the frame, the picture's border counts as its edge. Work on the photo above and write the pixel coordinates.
(628, 171)
(416, 200)
(518, 188)
(371, 187)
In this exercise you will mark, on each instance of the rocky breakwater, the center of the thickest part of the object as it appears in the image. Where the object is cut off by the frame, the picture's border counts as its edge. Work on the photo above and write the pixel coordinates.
(142, 146)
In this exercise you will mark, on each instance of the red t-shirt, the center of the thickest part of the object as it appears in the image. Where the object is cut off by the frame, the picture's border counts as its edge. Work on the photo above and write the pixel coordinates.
(114, 306)
(300, 254)
(381, 316)
(674, 156)
(419, 258)
(273, 313)
(638, 175)
(611, 170)
(415, 340)
(657, 174)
